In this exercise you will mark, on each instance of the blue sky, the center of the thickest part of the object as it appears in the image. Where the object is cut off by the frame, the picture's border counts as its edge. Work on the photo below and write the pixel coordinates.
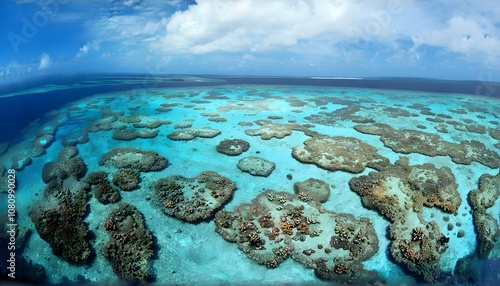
(337, 38)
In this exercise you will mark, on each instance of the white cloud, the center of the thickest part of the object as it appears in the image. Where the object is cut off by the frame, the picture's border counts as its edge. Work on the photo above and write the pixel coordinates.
(322, 27)
(464, 36)
(45, 62)
(261, 26)
(83, 51)
(94, 45)
(131, 2)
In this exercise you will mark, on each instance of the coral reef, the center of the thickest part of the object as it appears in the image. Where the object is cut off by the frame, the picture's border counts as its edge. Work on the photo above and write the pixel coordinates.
(43, 141)
(126, 179)
(270, 130)
(32, 272)
(269, 230)
(136, 159)
(339, 154)
(151, 123)
(399, 193)
(3, 147)
(193, 199)
(74, 138)
(105, 193)
(232, 147)
(313, 189)
(217, 119)
(61, 169)
(486, 225)
(96, 177)
(256, 166)
(131, 134)
(58, 219)
(20, 161)
(191, 133)
(408, 141)
(249, 105)
(67, 152)
(129, 249)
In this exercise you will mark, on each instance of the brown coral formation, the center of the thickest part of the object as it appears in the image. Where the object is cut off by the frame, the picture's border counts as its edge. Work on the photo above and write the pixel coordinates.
(63, 168)
(314, 189)
(105, 193)
(136, 159)
(191, 133)
(58, 219)
(268, 129)
(131, 134)
(399, 192)
(339, 154)
(232, 147)
(126, 179)
(130, 246)
(278, 225)
(256, 166)
(408, 141)
(193, 199)
(486, 225)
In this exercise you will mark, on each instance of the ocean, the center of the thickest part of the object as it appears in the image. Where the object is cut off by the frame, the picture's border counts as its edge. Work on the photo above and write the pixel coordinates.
(206, 180)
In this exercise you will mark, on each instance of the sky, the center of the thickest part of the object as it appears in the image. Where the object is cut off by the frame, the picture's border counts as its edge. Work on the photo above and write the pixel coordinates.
(457, 40)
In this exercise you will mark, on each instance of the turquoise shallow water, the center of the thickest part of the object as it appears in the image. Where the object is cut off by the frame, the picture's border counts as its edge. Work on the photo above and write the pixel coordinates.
(194, 253)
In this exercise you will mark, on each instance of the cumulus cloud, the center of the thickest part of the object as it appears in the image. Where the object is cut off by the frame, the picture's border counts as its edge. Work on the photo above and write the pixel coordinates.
(261, 26)
(45, 61)
(300, 25)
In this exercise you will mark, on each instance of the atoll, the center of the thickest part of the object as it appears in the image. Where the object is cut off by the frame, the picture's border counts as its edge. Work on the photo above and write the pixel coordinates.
(193, 199)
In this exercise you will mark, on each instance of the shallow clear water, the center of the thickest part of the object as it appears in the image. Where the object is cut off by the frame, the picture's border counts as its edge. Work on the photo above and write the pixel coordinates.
(349, 133)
